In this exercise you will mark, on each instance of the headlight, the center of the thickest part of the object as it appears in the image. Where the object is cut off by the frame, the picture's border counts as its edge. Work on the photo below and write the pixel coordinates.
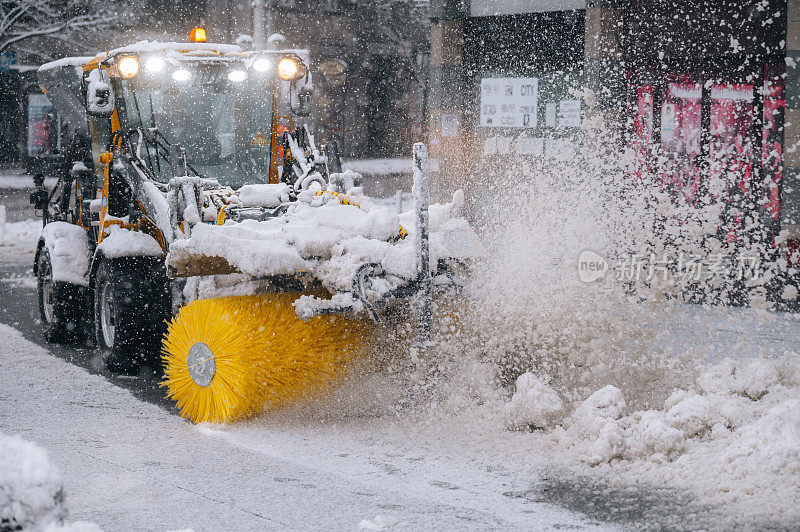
(262, 64)
(181, 75)
(128, 66)
(288, 69)
(155, 64)
(237, 76)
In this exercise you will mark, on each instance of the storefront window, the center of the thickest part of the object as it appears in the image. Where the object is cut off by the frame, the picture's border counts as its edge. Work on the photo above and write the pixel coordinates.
(680, 139)
(771, 140)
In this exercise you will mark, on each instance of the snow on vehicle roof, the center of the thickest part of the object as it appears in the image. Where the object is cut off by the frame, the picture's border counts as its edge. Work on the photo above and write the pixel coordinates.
(65, 62)
(156, 46)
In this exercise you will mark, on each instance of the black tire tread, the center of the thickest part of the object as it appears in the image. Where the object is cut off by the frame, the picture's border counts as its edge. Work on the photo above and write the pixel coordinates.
(142, 304)
(70, 306)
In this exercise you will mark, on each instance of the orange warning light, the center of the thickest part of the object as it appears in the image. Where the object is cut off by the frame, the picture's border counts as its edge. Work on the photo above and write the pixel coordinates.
(198, 34)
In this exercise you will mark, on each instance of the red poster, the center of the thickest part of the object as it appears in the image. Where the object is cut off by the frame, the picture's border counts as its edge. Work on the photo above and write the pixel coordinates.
(731, 151)
(680, 139)
(643, 127)
(771, 147)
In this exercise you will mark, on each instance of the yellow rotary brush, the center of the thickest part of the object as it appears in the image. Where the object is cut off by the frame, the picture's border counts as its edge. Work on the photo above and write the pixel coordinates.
(232, 357)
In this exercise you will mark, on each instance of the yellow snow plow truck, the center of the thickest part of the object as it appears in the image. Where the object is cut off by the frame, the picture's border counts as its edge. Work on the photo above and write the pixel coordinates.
(195, 220)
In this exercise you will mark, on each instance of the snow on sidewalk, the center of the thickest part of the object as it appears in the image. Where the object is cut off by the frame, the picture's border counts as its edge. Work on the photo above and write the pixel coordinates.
(129, 465)
(22, 181)
(18, 239)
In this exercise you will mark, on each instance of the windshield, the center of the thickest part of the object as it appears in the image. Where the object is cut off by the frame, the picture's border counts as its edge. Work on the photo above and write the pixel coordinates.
(223, 121)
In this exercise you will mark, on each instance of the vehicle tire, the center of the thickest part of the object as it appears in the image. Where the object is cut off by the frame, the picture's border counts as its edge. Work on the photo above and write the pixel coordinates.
(131, 306)
(62, 306)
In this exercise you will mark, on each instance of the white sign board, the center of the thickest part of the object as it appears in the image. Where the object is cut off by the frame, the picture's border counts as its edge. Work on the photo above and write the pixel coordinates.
(529, 145)
(449, 126)
(550, 115)
(569, 113)
(509, 102)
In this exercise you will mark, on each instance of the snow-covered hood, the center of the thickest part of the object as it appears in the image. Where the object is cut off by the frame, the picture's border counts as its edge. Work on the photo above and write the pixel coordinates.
(328, 239)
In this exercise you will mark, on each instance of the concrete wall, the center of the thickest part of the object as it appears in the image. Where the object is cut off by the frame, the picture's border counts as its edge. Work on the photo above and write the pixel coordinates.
(790, 197)
(483, 8)
(449, 154)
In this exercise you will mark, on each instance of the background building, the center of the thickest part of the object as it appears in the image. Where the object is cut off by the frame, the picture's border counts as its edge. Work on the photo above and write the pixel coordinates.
(695, 79)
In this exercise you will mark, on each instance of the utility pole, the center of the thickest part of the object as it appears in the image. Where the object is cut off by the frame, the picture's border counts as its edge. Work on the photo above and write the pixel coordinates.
(269, 17)
(259, 12)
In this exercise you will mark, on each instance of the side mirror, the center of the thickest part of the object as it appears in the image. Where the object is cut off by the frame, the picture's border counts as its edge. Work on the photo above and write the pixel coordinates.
(38, 196)
(300, 97)
(99, 94)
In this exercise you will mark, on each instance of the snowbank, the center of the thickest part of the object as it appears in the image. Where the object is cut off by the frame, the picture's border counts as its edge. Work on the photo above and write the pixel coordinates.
(733, 438)
(18, 239)
(31, 489)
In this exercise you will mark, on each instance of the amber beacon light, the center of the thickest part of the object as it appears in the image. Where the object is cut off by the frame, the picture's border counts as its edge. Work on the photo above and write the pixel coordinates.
(197, 35)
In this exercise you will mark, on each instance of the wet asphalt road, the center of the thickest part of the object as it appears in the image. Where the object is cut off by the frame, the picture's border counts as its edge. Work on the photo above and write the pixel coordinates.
(18, 308)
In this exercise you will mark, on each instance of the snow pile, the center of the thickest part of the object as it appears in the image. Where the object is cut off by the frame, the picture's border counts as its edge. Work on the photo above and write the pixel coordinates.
(120, 242)
(734, 437)
(31, 489)
(18, 239)
(329, 240)
(594, 428)
(379, 522)
(534, 404)
(264, 195)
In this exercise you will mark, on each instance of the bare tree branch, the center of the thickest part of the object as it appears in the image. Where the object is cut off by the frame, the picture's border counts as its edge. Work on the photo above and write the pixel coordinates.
(23, 20)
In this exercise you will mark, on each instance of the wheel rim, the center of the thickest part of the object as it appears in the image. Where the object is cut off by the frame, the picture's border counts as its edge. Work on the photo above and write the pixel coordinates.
(107, 314)
(47, 295)
(201, 364)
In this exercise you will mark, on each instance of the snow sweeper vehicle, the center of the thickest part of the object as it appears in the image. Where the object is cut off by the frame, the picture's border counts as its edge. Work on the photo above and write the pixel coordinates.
(196, 226)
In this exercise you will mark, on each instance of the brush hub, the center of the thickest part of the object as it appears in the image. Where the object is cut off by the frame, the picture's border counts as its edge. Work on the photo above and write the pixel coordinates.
(201, 364)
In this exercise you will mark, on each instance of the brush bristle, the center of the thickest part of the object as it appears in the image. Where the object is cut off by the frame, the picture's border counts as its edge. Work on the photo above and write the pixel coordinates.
(265, 356)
